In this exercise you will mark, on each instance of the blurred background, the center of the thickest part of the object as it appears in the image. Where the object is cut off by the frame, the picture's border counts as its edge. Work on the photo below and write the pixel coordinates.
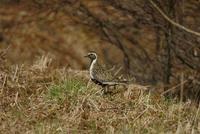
(137, 35)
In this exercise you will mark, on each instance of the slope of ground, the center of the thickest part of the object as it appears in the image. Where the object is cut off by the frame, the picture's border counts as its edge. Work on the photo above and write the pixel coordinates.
(42, 99)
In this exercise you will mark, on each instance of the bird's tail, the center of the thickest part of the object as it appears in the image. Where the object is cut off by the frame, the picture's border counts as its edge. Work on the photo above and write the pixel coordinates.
(123, 81)
(111, 83)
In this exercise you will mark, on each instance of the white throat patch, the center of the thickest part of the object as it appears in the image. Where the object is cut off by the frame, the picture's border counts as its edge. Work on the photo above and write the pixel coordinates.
(91, 68)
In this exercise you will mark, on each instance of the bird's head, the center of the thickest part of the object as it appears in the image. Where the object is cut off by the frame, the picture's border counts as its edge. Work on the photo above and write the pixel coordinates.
(91, 55)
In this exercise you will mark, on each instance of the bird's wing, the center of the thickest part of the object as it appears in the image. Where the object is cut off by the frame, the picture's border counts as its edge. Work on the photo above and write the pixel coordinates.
(102, 74)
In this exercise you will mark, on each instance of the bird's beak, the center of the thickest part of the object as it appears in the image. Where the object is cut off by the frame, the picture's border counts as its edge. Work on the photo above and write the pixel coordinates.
(86, 56)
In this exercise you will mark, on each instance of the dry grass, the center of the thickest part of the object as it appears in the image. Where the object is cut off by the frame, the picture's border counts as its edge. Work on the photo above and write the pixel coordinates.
(40, 99)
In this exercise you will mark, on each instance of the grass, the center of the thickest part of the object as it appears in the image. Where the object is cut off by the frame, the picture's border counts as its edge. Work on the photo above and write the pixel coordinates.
(40, 98)
(66, 88)
(59, 101)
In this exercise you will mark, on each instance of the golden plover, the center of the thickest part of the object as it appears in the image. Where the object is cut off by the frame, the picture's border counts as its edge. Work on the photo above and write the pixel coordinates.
(100, 76)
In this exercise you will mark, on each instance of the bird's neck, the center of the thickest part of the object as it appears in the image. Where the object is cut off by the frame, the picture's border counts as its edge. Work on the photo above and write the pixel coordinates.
(93, 62)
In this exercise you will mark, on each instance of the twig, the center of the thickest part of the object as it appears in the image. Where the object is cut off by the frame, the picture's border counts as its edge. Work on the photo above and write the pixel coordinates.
(174, 87)
(173, 22)
(4, 82)
(182, 87)
(143, 112)
(15, 74)
(16, 101)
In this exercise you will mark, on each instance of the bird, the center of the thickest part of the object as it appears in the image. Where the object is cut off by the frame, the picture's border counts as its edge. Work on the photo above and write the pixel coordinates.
(100, 75)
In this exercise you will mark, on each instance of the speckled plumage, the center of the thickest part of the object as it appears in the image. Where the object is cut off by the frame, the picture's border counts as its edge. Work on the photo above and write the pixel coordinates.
(99, 74)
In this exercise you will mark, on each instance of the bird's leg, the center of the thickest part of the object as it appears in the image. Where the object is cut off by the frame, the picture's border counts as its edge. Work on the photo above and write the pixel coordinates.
(101, 91)
(88, 83)
(105, 89)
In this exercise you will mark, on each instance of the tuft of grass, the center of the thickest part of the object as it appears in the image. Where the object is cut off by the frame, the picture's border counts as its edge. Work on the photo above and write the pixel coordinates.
(70, 87)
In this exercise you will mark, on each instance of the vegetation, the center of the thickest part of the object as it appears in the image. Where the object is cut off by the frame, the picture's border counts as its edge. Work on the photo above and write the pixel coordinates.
(44, 87)
(67, 88)
(35, 100)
